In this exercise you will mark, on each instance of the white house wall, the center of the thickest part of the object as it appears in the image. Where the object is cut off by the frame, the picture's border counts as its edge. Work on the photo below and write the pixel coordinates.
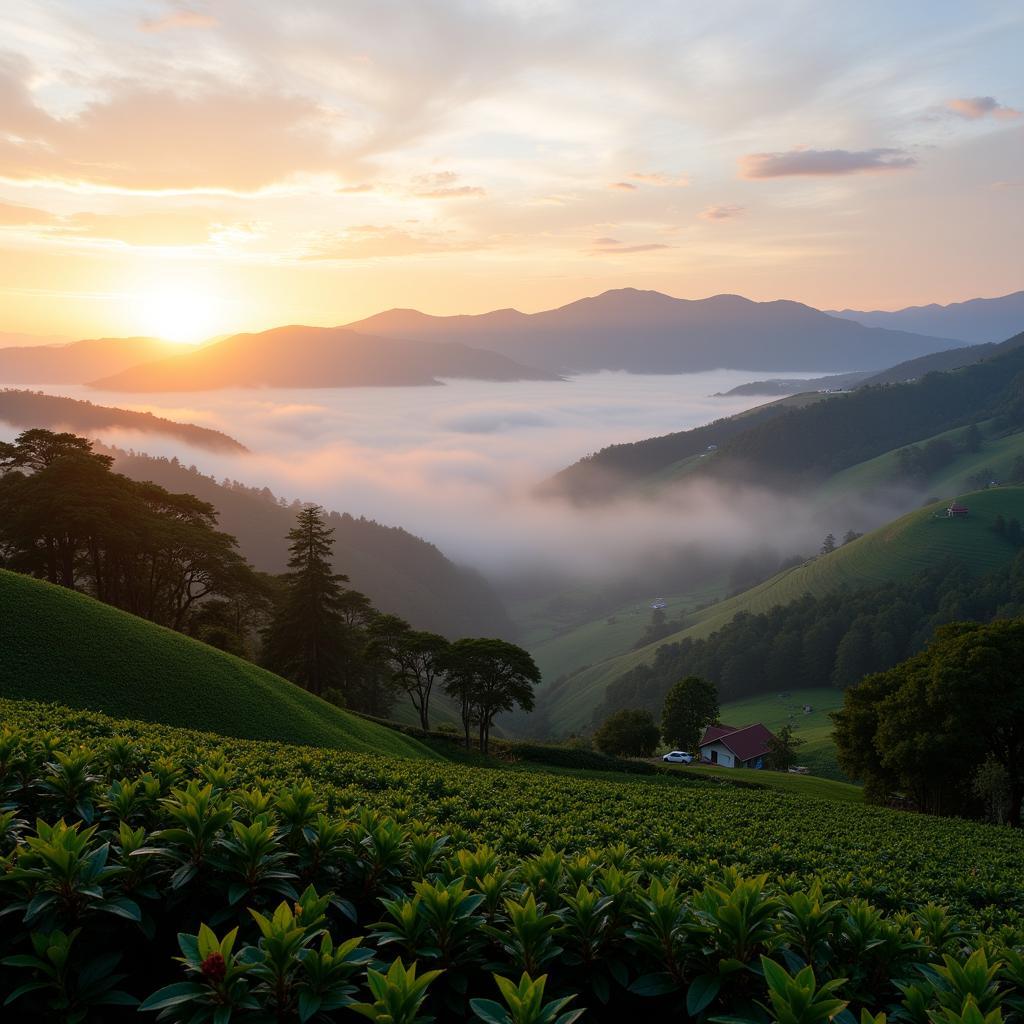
(725, 756)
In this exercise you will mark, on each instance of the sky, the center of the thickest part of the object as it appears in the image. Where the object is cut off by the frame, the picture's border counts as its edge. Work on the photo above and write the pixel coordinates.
(191, 169)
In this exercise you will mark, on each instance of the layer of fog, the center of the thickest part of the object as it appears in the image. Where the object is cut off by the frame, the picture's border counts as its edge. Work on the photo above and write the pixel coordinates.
(457, 465)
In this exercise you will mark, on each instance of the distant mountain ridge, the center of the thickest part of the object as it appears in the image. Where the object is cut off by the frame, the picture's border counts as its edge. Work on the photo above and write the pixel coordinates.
(310, 357)
(79, 361)
(973, 321)
(55, 412)
(650, 332)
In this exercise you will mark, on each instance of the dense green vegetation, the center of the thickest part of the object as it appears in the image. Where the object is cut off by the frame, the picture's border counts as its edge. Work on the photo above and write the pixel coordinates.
(946, 726)
(927, 568)
(642, 898)
(62, 646)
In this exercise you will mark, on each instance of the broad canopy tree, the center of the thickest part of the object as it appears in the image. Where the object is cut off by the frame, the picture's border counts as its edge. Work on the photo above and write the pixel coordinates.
(630, 732)
(417, 659)
(691, 704)
(487, 677)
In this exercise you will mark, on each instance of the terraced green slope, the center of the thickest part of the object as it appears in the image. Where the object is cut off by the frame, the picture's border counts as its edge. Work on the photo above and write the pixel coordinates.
(917, 541)
(58, 645)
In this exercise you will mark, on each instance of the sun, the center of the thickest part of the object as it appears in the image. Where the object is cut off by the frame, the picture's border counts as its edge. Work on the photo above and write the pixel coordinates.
(183, 314)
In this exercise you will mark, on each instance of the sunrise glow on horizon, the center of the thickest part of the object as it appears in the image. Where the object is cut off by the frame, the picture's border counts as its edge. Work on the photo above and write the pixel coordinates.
(189, 170)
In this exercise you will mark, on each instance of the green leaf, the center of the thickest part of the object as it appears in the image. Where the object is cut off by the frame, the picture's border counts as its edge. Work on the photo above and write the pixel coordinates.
(701, 993)
(172, 995)
(654, 985)
(489, 1011)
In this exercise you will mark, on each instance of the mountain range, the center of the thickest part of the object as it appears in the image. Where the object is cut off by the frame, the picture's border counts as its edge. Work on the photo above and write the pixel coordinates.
(973, 321)
(80, 361)
(649, 332)
(623, 329)
(300, 357)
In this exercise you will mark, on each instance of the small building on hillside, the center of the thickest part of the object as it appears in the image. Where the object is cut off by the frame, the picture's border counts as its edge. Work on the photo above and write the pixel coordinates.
(732, 747)
(956, 510)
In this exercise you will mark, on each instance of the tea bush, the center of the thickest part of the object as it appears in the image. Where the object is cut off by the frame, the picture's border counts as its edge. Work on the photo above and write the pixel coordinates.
(149, 869)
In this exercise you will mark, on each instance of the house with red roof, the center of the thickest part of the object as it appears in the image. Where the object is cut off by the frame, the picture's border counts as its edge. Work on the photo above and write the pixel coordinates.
(733, 747)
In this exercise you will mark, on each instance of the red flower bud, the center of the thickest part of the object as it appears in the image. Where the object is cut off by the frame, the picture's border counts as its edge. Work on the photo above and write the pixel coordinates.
(214, 968)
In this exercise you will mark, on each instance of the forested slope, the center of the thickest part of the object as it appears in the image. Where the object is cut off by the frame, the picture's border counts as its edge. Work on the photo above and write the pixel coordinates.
(400, 573)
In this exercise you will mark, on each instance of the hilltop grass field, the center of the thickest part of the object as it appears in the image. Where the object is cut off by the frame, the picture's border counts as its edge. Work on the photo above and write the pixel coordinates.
(319, 877)
(785, 782)
(62, 646)
(919, 540)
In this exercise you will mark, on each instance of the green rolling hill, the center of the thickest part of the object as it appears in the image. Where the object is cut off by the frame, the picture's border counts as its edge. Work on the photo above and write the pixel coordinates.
(919, 540)
(58, 645)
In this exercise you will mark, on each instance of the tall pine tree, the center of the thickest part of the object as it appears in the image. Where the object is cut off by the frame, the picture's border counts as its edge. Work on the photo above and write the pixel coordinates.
(307, 640)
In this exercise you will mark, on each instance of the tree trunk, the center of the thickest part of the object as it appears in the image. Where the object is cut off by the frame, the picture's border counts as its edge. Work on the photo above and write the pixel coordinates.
(1016, 797)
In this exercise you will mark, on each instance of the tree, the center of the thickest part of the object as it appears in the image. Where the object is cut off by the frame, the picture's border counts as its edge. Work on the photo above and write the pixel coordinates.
(851, 535)
(307, 639)
(828, 545)
(627, 733)
(689, 706)
(488, 677)
(958, 703)
(416, 659)
(782, 748)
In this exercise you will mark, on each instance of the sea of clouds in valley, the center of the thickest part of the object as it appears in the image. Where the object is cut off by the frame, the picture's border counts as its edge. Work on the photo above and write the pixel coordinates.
(457, 464)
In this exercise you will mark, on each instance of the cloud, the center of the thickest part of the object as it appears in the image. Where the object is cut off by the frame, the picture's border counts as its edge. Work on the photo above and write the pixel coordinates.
(442, 185)
(623, 186)
(823, 162)
(212, 136)
(722, 211)
(606, 246)
(975, 108)
(183, 18)
(661, 180)
(17, 216)
(377, 241)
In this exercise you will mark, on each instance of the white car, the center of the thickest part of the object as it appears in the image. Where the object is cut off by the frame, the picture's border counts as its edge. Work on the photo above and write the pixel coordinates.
(678, 757)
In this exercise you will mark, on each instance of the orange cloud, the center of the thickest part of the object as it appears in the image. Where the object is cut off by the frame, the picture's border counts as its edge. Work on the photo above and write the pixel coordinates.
(17, 216)
(975, 108)
(661, 180)
(822, 162)
(721, 211)
(378, 241)
(612, 246)
(141, 138)
(183, 18)
(443, 185)
(624, 186)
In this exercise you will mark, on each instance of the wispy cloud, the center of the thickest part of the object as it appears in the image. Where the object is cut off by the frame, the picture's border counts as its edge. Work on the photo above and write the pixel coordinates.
(20, 216)
(823, 162)
(975, 108)
(443, 185)
(623, 186)
(722, 211)
(615, 247)
(660, 180)
(181, 18)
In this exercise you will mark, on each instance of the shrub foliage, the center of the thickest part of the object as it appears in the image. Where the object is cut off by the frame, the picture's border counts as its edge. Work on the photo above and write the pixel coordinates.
(213, 880)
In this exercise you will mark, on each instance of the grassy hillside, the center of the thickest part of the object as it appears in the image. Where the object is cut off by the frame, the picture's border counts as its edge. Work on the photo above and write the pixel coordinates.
(916, 541)
(62, 646)
(785, 782)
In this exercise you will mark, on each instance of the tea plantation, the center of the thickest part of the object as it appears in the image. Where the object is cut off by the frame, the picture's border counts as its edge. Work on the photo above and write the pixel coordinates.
(108, 660)
(301, 884)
